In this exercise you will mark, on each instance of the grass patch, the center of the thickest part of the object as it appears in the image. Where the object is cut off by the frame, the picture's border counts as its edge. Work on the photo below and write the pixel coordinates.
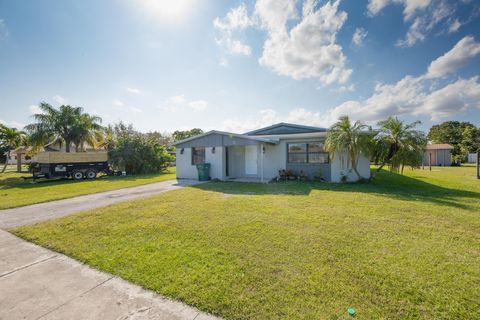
(16, 192)
(400, 247)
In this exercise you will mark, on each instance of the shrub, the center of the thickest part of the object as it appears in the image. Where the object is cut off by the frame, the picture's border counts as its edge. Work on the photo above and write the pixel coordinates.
(137, 153)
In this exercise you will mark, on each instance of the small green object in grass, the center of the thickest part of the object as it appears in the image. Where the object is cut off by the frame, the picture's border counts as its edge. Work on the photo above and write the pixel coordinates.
(351, 312)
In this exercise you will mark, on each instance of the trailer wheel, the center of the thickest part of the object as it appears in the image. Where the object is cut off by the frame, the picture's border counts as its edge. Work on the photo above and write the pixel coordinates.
(91, 174)
(77, 175)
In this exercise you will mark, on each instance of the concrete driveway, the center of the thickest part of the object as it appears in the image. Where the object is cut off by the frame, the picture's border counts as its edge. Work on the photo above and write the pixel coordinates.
(11, 218)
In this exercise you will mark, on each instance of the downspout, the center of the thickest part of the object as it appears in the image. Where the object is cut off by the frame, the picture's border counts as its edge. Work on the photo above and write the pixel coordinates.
(261, 155)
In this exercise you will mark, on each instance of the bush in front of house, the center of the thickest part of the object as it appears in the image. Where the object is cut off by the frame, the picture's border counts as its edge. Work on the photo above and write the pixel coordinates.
(135, 152)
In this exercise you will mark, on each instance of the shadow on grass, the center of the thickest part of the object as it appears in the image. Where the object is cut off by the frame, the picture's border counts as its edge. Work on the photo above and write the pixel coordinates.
(386, 184)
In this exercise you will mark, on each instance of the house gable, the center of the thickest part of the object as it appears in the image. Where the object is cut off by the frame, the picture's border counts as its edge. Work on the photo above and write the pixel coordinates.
(284, 128)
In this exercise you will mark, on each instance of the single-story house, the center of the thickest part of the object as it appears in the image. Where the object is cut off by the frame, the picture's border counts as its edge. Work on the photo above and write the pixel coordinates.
(438, 155)
(259, 155)
(20, 152)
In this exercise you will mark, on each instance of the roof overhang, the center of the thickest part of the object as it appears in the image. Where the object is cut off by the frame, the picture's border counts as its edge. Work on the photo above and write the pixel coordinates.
(229, 134)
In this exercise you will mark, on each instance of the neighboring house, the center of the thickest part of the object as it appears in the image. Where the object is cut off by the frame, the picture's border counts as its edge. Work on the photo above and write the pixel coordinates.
(438, 155)
(259, 155)
(22, 153)
(472, 158)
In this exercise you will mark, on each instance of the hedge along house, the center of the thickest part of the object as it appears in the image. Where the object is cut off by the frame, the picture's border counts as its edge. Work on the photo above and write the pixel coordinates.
(259, 155)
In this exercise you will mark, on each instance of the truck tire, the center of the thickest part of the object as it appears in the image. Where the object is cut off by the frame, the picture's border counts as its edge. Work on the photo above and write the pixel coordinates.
(77, 175)
(91, 174)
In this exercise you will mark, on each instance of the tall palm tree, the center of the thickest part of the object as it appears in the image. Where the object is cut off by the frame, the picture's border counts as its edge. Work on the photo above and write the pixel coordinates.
(66, 124)
(11, 138)
(398, 144)
(352, 139)
(88, 130)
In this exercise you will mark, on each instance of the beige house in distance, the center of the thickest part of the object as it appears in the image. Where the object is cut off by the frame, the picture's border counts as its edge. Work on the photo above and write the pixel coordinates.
(438, 155)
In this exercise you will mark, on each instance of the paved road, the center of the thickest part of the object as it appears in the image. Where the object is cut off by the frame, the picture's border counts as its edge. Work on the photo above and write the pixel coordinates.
(36, 283)
(11, 218)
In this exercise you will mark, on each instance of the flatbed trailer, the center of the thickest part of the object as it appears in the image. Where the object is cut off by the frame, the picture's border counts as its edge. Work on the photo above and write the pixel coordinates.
(78, 166)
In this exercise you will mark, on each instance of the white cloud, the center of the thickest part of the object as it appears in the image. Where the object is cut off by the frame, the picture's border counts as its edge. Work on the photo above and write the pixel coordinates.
(3, 29)
(416, 96)
(454, 26)
(35, 109)
(236, 20)
(410, 6)
(423, 24)
(136, 110)
(309, 49)
(180, 102)
(13, 124)
(198, 105)
(134, 90)
(358, 36)
(59, 99)
(118, 103)
(466, 49)
(341, 89)
(423, 16)
(266, 117)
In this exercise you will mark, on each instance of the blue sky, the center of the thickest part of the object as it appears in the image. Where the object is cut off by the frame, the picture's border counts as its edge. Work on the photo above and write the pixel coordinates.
(237, 65)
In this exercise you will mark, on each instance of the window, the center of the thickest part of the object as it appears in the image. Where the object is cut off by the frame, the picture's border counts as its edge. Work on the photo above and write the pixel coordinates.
(307, 153)
(297, 153)
(198, 155)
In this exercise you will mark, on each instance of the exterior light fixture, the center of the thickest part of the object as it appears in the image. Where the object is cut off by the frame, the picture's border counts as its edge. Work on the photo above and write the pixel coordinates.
(181, 150)
(263, 149)
(213, 150)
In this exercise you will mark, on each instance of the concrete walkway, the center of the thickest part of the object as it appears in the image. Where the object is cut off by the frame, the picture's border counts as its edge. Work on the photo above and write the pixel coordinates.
(36, 283)
(11, 218)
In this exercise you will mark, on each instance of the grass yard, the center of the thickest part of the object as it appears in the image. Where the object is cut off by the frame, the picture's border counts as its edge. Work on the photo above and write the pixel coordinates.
(16, 192)
(401, 247)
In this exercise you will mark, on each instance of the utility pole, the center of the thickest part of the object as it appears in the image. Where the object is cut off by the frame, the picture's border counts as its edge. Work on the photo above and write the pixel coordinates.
(430, 160)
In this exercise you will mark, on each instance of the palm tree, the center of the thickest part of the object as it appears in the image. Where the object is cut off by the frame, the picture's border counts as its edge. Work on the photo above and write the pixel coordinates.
(66, 125)
(88, 130)
(11, 138)
(398, 144)
(343, 137)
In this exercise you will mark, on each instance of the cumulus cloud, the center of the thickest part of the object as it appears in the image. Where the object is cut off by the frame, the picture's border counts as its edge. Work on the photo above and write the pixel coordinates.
(415, 95)
(13, 124)
(410, 6)
(466, 49)
(236, 20)
(300, 44)
(3, 29)
(59, 99)
(180, 102)
(358, 36)
(136, 110)
(309, 49)
(134, 90)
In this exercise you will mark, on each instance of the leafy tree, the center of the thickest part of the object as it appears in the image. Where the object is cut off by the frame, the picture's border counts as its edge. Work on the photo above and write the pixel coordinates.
(452, 132)
(180, 135)
(398, 144)
(10, 138)
(353, 139)
(67, 125)
(135, 152)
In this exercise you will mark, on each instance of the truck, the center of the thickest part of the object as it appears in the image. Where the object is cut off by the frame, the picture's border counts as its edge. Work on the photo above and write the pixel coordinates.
(77, 165)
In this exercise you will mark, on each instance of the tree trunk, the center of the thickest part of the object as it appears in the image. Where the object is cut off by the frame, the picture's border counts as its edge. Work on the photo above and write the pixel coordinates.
(374, 174)
(19, 162)
(6, 162)
(67, 145)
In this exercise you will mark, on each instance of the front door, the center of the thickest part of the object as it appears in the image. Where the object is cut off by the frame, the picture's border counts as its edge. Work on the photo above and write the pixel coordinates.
(251, 160)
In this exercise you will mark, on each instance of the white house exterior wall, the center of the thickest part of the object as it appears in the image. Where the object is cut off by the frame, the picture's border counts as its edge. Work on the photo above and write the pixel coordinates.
(186, 170)
(340, 166)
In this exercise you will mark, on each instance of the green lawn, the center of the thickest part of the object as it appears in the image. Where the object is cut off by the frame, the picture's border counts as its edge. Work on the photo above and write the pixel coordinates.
(401, 247)
(16, 192)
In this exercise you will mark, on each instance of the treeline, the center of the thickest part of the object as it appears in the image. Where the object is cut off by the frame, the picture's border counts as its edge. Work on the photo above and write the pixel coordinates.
(72, 128)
